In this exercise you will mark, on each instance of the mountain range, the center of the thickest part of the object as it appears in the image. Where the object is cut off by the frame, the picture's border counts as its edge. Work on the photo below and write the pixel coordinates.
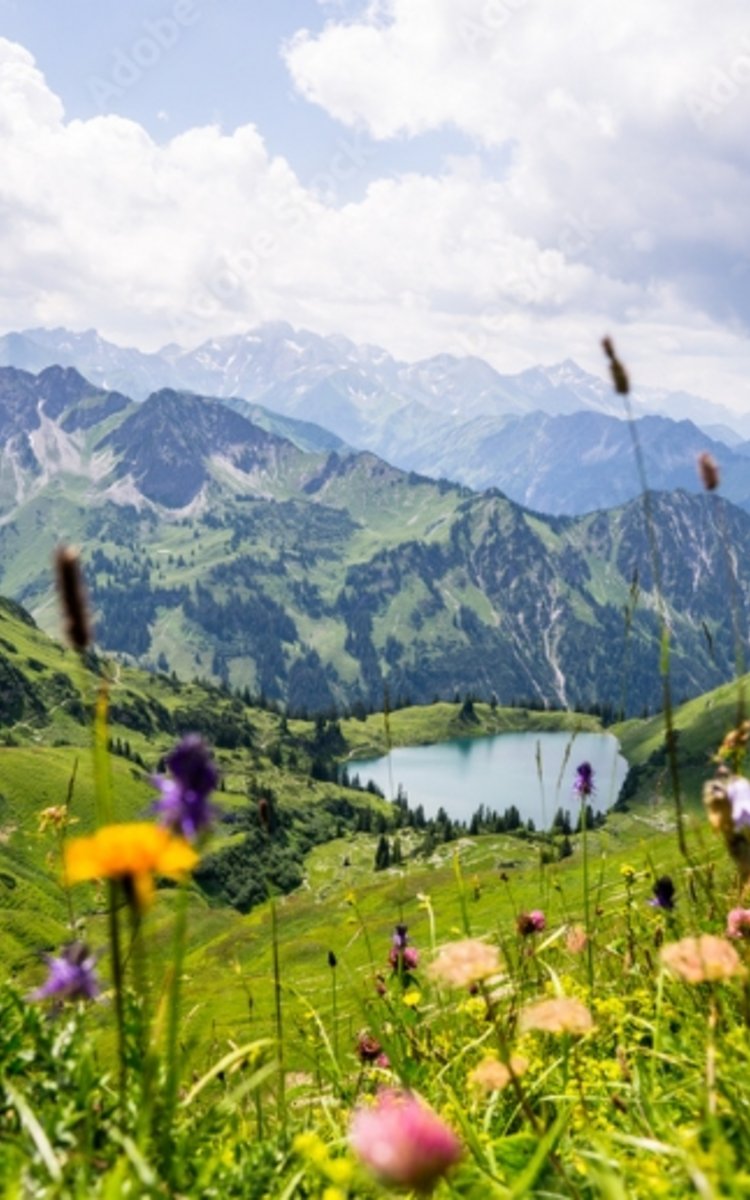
(218, 548)
(552, 438)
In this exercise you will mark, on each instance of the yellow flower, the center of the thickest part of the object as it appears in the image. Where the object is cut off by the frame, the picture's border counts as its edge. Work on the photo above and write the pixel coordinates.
(704, 959)
(412, 998)
(628, 873)
(561, 1015)
(131, 853)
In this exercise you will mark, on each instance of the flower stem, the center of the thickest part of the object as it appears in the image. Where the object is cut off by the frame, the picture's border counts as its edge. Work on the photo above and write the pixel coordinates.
(117, 979)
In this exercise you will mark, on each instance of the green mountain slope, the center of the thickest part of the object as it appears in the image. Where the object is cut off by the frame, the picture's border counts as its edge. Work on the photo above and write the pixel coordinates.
(220, 550)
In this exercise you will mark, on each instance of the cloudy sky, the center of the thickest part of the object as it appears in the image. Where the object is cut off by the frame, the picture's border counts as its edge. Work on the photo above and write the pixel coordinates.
(506, 178)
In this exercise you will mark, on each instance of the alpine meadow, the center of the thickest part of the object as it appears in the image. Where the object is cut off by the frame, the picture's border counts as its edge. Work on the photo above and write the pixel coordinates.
(374, 592)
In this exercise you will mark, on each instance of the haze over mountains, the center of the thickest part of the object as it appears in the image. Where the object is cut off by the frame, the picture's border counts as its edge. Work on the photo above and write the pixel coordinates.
(217, 548)
(552, 438)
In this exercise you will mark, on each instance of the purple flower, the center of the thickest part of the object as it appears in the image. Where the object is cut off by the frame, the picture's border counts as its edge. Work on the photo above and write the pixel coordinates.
(401, 953)
(72, 976)
(409, 956)
(583, 785)
(738, 791)
(531, 922)
(403, 1142)
(400, 937)
(663, 896)
(183, 804)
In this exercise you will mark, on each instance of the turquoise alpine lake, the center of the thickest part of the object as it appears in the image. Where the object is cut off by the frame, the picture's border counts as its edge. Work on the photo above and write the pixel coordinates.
(534, 771)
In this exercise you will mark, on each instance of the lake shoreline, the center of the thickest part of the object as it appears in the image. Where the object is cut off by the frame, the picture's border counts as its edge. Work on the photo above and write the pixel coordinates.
(531, 770)
(429, 725)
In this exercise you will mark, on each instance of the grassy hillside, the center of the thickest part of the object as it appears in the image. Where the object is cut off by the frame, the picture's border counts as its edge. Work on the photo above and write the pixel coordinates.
(47, 751)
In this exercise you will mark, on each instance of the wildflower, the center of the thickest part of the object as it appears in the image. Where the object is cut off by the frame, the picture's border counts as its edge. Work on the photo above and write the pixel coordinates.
(401, 954)
(531, 922)
(400, 937)
(459, 964)
(738, 794)
(735, 743)
(576, 939)
(492, 1076)
(412, 998)
(628, 873)
(708, 471)
(55, 817)
(403, 1142)
(183, 804)
(738, 923)
(564, 1014)
(703, 959)
(72, 976)
(583, 784)
(369, 1048)
(663, 896)
(131, 853)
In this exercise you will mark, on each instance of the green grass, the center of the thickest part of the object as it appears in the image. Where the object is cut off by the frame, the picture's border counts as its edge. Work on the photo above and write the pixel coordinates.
(634, 1109)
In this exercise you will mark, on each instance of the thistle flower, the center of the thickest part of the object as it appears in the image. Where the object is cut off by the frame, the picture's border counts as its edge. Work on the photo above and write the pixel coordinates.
(583, 785)
(738, 923)
(564, 1014)
(403, 1142)
(409, 957)
(369, 1048)
(490, 1075)
(72, 976)
(131, 854)
(183, 804)
(531, 922)
(459, 964)
(703, 959)
(663, 896)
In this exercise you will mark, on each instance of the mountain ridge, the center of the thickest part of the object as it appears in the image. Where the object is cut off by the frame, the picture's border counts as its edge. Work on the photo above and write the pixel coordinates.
(443, 416)
(221, 550)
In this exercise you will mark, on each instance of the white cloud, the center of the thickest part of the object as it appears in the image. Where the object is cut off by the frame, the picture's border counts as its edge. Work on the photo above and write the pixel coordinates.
(209, 233)
(628, 122)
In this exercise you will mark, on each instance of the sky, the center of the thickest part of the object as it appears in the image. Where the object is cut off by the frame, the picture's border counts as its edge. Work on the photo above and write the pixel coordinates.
(502, 178)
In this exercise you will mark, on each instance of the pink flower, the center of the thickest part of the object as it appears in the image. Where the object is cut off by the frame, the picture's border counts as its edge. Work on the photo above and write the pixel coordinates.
(531, 922)
(409, 956)
(402, 1141)
(738, 923)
